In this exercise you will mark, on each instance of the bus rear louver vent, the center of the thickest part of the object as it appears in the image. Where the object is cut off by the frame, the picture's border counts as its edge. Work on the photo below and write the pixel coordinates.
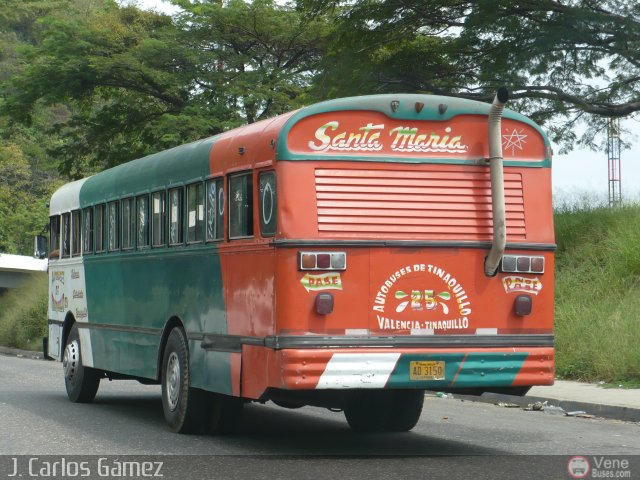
(430, 205)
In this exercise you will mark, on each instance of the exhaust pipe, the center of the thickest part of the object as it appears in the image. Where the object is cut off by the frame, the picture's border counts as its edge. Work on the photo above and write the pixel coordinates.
(497, 183)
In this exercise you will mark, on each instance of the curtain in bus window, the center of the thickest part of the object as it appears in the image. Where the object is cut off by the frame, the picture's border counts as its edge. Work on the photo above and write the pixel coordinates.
(75, 237)
(195, 212)
(143, 221)
(240, 206)
(215, 209)
(127, 223)
(88, 230)
(112, 231)
(54, 233)
(100, 217)
(66, 235)
(158, 219)
(175, 216)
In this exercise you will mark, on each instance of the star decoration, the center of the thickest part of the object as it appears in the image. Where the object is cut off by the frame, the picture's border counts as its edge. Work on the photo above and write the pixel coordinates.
(514, 140)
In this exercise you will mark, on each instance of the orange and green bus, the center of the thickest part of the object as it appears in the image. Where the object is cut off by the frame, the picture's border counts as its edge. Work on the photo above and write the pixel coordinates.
(351, 254)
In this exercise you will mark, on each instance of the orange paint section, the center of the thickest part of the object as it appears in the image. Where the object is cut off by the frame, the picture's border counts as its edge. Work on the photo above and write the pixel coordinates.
(537, 369)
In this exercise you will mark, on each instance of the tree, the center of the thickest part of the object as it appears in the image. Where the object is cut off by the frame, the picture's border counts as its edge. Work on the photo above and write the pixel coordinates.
(136, 82)
(562, 59)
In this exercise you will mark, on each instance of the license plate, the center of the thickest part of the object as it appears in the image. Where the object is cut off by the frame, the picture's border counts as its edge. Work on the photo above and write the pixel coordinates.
(426, 370)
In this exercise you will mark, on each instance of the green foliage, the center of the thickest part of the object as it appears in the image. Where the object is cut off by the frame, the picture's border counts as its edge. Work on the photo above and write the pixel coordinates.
(598, 293)
(577, 61)
(136, 82)
(23, 314)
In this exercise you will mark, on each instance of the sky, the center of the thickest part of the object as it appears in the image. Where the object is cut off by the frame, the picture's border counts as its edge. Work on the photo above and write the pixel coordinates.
(577, 175)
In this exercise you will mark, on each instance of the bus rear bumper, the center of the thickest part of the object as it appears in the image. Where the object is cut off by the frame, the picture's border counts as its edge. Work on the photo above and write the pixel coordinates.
(378, 368)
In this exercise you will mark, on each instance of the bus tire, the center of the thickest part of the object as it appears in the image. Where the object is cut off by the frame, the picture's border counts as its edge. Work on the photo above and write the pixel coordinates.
(184, 407)
(384, 410)
(405, 410)
(226, 412)
(81, 382)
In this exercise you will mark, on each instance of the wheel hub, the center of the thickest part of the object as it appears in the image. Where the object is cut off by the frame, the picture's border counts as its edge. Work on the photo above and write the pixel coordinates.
(71, 360)
(173, 381)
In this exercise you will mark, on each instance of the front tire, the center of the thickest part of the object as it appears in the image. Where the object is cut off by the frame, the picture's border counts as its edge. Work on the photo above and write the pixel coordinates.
(378, 411)
(185, 408)
(81, 382)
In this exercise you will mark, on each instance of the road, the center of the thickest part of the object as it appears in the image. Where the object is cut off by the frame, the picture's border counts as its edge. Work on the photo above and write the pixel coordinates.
(126, 419)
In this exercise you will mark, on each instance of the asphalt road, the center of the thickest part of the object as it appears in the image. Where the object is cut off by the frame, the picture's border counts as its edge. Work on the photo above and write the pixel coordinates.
(453, 437)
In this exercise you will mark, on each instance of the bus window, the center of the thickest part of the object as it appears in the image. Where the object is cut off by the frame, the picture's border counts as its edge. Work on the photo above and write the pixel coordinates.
(215, 209)
(100, 217)
(54, 230)
(88, 230)
(158, 219)
(241, 206)
(66, 234)
(128, 220)
(195, 212)
(75, 237)
(175, 216)
(142, 207)
(268, 204)
(112, 233)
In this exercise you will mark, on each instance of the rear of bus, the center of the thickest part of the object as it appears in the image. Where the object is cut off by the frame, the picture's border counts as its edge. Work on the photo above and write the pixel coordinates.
(384, 226)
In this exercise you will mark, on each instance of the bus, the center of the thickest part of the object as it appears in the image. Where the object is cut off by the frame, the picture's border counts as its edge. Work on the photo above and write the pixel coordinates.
(351, 254)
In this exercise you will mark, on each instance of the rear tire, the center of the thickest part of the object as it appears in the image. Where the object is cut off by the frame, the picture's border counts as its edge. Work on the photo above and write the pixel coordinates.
(384, 410)
(226, 412)
(185, 408)
(81, 382)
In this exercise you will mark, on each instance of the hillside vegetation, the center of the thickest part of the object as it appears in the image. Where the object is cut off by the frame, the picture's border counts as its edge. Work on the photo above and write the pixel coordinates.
(598, 293)
(597, 297)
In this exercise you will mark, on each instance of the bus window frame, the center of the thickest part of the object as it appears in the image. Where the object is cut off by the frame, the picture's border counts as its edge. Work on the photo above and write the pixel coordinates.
(131, 224)
(180, 213)
(274, 206)
(162, 195)
(64, 251)
(102, 207)
(87, 236)
(148, 223)
(230, 178)
(198, 230)
(58, 219)
(220, 194)
(76, 218)
(116, 237)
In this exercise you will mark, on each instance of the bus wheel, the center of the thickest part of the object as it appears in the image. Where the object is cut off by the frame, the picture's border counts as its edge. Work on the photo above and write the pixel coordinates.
(81, 382)
(226, 412)
(384, 410)
(184, 407)
(406, 410)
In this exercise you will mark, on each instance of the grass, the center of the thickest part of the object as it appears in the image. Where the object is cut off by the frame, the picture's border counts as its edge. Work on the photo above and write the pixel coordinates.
(23, 314)
(597, 290)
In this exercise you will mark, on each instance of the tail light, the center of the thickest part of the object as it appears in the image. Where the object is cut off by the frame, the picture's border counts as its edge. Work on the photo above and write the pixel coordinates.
(322, 260)
(522, 264)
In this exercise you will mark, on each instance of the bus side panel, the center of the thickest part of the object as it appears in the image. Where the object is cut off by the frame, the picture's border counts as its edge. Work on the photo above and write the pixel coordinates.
(249, 289)
(132, 297)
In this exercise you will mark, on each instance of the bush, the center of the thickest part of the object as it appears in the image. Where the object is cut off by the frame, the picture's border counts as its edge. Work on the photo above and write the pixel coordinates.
(23, 314)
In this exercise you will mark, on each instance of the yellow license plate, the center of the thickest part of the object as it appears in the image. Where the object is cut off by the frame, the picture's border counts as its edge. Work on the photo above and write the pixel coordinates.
(426, 370)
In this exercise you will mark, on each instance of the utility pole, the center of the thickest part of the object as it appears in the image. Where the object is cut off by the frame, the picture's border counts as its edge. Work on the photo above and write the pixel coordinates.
(613, 152)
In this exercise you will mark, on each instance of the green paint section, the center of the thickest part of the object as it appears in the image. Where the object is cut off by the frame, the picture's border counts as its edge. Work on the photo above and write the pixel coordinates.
(145, 289)
(176, 166)
(478, 370)
(405, 111)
